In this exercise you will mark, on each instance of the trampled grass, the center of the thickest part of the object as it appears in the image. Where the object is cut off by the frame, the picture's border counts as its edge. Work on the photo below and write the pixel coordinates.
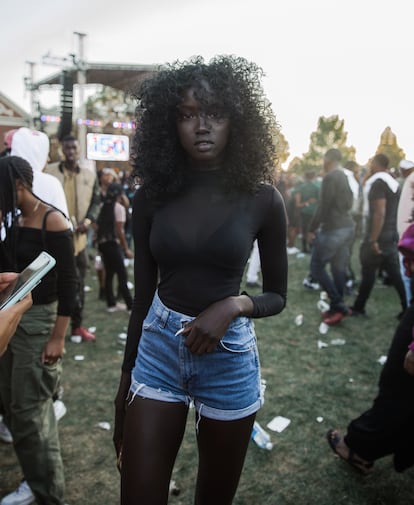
(304, 383)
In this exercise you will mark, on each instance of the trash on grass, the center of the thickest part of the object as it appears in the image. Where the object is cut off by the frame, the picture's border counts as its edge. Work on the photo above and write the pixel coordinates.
(323, 295)
(278, 423)
(323, 306)
(322, 344)
(79, 357)
(261, 437)
(87, 289)
(319, 419)
(92, 329)
(299, 320)
(338, 341)
(382, 360)
(122, 336)
(104, 425)
(323, 328)
(77, 339)
(174, 489)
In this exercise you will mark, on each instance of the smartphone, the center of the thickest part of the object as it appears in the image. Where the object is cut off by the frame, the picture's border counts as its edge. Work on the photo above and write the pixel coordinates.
(27, 279)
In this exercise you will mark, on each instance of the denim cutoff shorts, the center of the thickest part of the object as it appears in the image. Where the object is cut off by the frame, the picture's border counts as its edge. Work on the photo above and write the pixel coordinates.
(224, 384)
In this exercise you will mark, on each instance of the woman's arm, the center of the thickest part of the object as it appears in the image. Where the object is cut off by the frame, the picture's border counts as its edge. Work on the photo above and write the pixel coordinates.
(120, 218)
(60, 245)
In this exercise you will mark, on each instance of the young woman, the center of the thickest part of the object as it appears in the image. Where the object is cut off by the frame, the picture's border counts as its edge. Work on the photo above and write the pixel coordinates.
(33, 358)
(204, 154)
(112, 244)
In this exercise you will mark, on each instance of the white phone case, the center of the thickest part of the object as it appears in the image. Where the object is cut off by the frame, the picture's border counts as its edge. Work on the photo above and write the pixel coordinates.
(28, 279)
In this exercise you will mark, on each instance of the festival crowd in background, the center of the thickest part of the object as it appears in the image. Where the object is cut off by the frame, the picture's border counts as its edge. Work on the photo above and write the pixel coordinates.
(85, 217)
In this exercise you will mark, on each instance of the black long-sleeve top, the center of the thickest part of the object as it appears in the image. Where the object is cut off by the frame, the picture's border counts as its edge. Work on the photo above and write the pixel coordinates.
(335, 203)
(61, 282)
(198, 245)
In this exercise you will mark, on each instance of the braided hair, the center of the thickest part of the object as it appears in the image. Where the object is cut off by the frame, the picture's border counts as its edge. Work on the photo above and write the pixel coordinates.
(12, 169)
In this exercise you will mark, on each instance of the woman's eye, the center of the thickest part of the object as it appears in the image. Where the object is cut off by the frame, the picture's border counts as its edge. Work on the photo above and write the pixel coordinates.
(186, 116)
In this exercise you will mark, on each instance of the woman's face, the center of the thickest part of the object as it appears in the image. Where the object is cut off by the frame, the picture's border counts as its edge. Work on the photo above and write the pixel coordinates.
(203, 132)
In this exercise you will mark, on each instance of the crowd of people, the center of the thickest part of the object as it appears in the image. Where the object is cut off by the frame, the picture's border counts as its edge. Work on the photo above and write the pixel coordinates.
(329, 212)
(208, 211)
(56, 208)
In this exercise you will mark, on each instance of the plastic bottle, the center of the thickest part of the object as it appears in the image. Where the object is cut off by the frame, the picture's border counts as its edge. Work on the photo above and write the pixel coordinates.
(261, 437)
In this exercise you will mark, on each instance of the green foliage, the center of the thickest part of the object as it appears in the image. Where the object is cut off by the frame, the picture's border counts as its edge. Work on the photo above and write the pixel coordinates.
(388, 145)
(329, 133)
(110, 104)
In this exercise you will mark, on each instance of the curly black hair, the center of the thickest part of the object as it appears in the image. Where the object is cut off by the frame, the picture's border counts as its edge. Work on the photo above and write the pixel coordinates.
(157, 156)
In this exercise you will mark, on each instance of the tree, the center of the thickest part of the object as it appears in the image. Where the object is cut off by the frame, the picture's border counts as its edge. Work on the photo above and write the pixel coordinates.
(282, 149)
(329, 134)
(388, 145)
(110, 105)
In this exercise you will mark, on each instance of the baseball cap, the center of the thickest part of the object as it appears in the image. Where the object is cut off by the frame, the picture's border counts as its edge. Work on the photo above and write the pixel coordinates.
(111, 171)
(406, 164)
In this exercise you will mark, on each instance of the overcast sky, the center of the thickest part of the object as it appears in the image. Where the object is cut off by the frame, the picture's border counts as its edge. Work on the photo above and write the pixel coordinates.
(353, 58)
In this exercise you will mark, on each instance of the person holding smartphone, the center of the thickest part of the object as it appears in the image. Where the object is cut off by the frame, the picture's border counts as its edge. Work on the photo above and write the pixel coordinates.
(10, 317)
(204, 152)
(34, 355)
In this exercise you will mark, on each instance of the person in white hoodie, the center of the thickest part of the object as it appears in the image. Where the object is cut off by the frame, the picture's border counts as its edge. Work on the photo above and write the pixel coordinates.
(33, 146)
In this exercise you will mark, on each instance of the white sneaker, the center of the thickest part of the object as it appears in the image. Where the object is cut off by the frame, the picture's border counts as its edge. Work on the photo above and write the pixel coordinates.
(22, 496)
(60, 409)
(307, 283)
(117, 307)
(292, 250)
(5, 435)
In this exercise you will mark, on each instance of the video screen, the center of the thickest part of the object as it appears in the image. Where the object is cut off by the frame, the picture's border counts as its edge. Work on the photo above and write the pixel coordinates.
(107, 147)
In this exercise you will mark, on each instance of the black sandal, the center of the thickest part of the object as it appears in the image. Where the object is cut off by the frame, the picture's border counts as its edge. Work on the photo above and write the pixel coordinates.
(365, 467)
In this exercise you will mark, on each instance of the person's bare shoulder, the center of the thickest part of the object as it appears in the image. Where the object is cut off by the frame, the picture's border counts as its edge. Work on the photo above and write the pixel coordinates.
(56, 221)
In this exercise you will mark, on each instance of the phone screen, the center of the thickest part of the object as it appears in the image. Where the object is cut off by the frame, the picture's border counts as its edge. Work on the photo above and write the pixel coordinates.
(27, 279)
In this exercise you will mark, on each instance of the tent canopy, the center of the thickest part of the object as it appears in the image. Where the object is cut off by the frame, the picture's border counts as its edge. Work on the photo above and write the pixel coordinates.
(118, 76)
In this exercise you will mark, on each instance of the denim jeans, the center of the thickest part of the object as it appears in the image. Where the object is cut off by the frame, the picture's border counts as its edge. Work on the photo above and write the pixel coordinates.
(224, 384)
(332, 247)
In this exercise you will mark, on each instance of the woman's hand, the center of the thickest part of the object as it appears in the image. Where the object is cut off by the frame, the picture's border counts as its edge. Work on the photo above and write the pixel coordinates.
(120, 401)
(208, 328)
(409, 362)
(55, 347)
(376, 248)
(128, 253)
(53, 351)
(10, 318)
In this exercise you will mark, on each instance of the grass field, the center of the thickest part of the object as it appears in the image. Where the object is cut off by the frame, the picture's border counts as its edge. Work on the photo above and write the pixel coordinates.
(304, 382)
